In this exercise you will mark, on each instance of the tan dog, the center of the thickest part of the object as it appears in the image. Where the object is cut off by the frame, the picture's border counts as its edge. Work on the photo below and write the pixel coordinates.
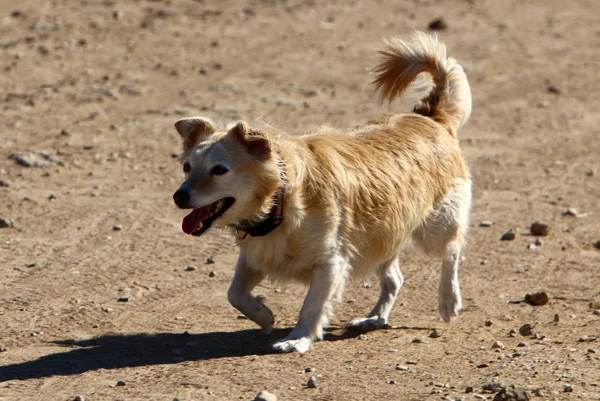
(329, 204)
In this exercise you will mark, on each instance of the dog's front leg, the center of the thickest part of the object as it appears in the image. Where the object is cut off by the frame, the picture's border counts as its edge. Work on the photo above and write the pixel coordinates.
(327, 284)
(253, 307)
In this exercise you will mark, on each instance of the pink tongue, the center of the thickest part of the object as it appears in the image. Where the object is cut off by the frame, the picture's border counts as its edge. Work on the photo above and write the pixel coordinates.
(192, 221)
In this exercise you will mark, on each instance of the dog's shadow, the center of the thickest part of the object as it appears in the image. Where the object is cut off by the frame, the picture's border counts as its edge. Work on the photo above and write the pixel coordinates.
(113, 351)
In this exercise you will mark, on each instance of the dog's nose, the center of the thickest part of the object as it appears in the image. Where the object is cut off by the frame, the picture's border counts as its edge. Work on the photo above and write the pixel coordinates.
(181, 198)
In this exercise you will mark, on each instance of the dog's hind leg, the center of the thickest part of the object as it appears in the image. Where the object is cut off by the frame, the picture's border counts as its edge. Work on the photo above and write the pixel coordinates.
(442, 234)
(244, 280)
(391, 280)
(326, 287)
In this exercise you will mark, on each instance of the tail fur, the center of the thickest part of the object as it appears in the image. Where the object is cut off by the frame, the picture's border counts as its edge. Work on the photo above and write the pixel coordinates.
(449, 97)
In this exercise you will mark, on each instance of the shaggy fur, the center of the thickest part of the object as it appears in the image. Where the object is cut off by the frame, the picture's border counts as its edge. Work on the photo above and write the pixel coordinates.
(352, 197)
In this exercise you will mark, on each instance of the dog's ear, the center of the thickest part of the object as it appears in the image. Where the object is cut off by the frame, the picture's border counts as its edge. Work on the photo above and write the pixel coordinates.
(256, 142)
(193, 130)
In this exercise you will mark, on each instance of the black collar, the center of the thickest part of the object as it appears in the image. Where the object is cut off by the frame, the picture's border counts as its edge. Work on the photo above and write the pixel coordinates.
(260, 229)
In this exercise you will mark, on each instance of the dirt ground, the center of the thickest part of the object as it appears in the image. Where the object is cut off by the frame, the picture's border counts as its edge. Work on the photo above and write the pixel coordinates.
(89, 92)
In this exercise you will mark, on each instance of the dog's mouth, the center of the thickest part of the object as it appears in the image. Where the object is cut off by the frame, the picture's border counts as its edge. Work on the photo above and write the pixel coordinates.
(200, 220)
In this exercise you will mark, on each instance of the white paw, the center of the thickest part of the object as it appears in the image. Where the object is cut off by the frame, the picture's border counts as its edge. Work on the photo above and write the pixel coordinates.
(300, 345)
(369, 323)
(449, 307)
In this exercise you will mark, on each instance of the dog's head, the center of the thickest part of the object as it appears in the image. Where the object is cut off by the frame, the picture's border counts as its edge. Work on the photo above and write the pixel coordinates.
(228, 174)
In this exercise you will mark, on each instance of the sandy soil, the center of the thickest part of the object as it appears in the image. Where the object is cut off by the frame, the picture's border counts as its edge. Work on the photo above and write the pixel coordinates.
(89, 91)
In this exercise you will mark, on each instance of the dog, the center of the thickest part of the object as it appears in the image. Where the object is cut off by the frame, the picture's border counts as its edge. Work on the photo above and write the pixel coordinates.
(331, 204)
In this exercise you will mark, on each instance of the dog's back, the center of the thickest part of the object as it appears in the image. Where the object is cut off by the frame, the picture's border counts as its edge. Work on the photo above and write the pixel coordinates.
(385, 178)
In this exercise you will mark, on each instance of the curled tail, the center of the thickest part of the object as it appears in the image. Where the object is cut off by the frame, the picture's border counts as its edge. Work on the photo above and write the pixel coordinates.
(449, 99)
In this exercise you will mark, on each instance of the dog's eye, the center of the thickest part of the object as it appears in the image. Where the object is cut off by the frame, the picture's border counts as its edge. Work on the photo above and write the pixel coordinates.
(186, 167)
(218, 170)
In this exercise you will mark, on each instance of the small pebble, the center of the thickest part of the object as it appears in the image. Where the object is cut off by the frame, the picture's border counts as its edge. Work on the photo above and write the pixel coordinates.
(537, 298)
(242, 317)
(570, 212)
(401, 367)
(597, 244)
(308, 370)
(511, 394)
(469, 389)
(539, 228)
(486, 223)
(596, 312)
(479, 396)
(416, 340)
(5, 222)
(64, 132)
(438, 24)
(4, 183)
(526, 330)
(312, 382)
(116, 227)
(78, 398)
(124, 299)
(212, 274)
(265, 396)
(508, 236)
(498, 344)
(492, 387)
(489, 323)
(522, 344)
(3, 349)
(553, 89)
(482, 365)
(120, 383)
(568, 388)
(435, 334)
(190, 268)
(533, 247)
(210, 261)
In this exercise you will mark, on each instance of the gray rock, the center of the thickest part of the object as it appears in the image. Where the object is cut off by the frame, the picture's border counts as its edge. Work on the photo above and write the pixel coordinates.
(190, 268)
(526, 330)
(4, 183)
(6, 222)
(486, 223)
(492, 387)
(511, 394)
(29, 159)
(401, 367)
(312, 382)
(265, 396)
(117, 227)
